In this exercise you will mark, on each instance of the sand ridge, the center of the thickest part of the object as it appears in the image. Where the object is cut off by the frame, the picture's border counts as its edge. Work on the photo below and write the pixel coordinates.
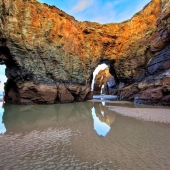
(148, 114)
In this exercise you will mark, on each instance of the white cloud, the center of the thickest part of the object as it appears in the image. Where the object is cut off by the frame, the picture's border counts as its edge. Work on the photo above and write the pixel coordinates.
(81, 5)
(112, 11)
(129, 12)
(105, 14)
(99, 10)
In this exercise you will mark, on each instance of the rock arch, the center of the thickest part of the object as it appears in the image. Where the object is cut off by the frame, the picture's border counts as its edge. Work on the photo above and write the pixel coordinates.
(106, 81)
(53, 55)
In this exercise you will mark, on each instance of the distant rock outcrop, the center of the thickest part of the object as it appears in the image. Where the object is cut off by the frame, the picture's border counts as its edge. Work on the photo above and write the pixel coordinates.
(105, 79)
(50, 57)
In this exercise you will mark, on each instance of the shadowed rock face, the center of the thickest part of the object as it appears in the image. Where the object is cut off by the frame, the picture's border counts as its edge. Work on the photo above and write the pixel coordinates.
(154, 85)
(50, 56)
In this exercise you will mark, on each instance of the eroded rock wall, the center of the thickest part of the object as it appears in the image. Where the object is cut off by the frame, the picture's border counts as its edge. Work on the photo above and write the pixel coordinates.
(50, 56)
(154, 85)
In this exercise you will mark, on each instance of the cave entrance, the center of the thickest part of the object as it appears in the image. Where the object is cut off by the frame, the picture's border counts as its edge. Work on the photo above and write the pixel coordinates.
(96, 83)
(104, 79)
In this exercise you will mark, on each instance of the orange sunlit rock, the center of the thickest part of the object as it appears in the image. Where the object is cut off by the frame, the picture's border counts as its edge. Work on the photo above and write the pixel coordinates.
(47, 46)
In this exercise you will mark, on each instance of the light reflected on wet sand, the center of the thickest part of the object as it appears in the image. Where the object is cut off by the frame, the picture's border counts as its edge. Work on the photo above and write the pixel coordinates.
(81, 136)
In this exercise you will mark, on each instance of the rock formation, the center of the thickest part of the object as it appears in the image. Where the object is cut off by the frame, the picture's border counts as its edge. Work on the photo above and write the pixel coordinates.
(104, 78)
(154, 85)
(50, 57)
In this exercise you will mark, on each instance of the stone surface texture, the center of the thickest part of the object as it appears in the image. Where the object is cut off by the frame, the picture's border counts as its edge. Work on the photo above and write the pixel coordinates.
(104, 83)
(50, 57)
(154, 85)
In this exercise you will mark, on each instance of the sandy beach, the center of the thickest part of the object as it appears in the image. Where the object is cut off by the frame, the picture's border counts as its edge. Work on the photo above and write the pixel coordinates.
(74, 136)
(148, 114)
(143, 112)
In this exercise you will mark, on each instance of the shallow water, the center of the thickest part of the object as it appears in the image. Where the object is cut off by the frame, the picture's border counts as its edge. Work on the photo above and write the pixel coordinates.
(81, 136)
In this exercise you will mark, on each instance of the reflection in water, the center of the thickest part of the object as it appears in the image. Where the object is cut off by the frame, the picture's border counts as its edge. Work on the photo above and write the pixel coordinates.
(2, 127)
(103, 118)
(100, 127)
(21, 119)
(69, 135)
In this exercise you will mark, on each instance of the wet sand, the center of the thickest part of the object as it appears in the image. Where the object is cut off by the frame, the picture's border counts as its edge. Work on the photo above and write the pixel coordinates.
(142, 112)
(64, 137)
(161, 115)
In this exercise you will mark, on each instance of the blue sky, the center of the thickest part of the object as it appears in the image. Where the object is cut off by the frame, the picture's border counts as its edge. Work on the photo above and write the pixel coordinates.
(2, 78)
(102, 11)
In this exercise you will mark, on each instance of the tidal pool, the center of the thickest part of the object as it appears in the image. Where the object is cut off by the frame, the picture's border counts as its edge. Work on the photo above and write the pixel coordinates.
(81, 136)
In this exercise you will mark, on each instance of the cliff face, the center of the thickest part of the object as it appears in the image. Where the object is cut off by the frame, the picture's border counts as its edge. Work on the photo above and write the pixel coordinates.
(50, 57)
(154, 84)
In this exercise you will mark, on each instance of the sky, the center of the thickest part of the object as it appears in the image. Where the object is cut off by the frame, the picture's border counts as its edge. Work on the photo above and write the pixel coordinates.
(102, 11)
(2, 78)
